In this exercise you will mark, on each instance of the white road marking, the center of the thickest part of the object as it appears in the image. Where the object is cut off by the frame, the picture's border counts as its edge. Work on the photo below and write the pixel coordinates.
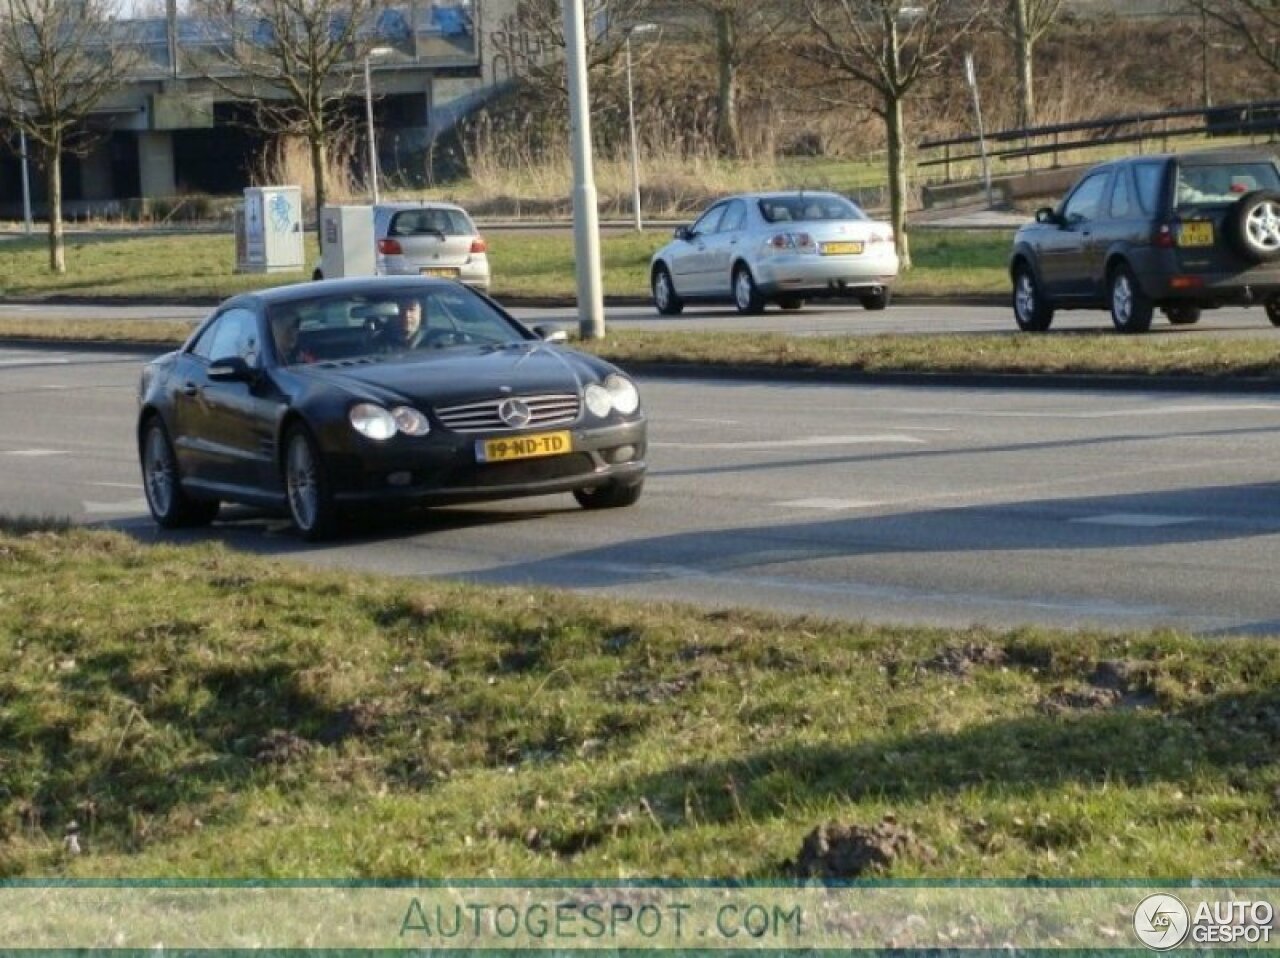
(715, 422)
(34, 453)
(1128, 412)
(804, 442)
(113, 508)
(1137, 520)
(44, 361)
(116, 485)
(834, 505)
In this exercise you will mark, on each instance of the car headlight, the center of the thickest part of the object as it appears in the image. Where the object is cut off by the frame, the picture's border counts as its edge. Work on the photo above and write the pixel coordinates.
(372, 421)
(598, 400)
(623, 392)
(410, 422)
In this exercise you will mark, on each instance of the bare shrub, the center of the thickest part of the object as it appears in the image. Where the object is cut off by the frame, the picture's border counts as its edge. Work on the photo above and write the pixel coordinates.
(286, 160)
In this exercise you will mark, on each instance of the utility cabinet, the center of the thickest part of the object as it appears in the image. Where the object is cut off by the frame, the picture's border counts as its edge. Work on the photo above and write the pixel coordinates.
(346, 239)
(269, 230)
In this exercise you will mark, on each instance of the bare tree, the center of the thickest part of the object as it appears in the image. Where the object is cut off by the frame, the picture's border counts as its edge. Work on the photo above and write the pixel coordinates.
(1255, 22)
(58, 62)
(1027, 23)
(886, 47)
(530, 41)
(299, 60)
(740, 30)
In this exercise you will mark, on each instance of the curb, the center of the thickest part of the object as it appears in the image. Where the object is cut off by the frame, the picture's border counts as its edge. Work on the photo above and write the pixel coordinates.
(810, 375)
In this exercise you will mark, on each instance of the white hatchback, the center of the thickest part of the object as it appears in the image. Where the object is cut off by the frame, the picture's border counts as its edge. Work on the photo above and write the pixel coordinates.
(428, 239)
(758, 248)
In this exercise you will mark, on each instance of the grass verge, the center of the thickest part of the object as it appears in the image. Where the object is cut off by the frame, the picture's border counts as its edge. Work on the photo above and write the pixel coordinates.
(202, 713)
(201, 266)
(1102, 354)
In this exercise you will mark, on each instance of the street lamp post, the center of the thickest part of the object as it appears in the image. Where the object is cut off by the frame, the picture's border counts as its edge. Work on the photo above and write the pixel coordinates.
(631, 119)
(26, 180)
(586, 215)
(368, 114)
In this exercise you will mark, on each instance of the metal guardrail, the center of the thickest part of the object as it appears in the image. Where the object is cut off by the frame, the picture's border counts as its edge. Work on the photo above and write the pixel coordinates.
(1236, 119)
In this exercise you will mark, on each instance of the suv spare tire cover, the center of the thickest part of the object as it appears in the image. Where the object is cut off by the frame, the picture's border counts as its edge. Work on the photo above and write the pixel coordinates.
(1237, 226)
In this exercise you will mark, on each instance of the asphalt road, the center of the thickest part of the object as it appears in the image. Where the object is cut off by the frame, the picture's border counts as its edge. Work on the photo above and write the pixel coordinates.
(929, 505)
(815, 320)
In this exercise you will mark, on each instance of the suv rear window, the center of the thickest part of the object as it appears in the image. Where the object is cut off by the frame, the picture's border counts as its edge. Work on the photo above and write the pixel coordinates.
(434, 222)
(1223, 183)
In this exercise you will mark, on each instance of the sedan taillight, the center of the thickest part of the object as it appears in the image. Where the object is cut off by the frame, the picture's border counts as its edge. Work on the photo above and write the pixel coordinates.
(795, 242)
(389, 247)
(478, 245)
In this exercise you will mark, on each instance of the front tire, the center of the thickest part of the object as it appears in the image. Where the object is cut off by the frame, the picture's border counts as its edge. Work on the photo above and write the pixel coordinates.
(1131, 308)
(306, 485)
(170, 505)
(665, 298)
(1182, 315)
(612, 495)
(1031, 311)
(746, 295)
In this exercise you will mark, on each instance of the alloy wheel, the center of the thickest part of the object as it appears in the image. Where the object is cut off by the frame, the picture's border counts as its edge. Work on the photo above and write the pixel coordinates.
(160, 472)
(743, 290)
(1025, 298)
(1263, 226)
(1122, 299)
(302, 483)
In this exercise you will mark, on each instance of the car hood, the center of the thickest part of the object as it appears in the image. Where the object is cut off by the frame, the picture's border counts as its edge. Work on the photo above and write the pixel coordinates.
(462, 374)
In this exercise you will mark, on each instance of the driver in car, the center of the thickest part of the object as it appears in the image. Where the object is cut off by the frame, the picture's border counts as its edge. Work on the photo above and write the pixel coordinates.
(404, 330)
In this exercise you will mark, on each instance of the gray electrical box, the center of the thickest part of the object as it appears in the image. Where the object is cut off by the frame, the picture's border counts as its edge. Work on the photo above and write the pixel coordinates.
(346, 239)
(269, 230)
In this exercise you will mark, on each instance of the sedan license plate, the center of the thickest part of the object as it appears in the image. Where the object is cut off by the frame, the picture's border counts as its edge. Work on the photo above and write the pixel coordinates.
(1196, 233)
(444, 272)
(523, 447)
(841, 249)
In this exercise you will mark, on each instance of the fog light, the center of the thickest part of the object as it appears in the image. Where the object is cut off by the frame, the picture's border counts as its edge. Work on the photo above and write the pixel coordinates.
(623, 454)
(400, 479)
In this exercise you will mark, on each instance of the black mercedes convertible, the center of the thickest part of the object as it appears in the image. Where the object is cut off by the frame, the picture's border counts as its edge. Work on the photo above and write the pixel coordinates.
(313, 397)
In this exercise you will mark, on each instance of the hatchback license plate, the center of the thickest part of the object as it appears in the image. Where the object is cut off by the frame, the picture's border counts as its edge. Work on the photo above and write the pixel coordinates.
(444, 272)
(1196, 233)
(841, 249)
(524, 447)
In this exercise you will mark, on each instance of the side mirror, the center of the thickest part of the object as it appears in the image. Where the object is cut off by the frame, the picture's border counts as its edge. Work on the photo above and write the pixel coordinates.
(684, 233)
(551, 334)
(1047, 216)
(232, 369)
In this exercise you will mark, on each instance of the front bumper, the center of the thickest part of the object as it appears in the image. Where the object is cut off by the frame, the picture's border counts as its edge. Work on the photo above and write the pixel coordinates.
(444, 468)
(816, 276)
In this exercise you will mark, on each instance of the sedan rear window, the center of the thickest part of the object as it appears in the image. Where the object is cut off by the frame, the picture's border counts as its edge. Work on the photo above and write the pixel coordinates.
(1224, 183)
(809, 209)
(431, 222)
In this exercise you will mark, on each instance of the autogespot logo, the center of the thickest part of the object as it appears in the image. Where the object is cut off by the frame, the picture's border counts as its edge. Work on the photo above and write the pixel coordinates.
(1161, 922)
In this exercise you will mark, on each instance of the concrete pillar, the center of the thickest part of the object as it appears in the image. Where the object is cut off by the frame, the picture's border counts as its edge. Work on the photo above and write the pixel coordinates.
(155, 163)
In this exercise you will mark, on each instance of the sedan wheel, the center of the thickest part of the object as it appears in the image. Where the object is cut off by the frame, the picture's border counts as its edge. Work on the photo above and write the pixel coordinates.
(1273, 310)
(746, 295)
(665, 299)
(611, 496)
(170, 506)
(1131, 310)
(310, 503)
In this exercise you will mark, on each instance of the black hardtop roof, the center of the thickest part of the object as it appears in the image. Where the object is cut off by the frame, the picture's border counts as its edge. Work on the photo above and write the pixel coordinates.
(373, 285)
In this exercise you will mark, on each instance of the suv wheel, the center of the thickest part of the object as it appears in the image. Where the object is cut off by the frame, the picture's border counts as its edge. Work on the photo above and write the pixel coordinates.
(1131, 308)
(1253, 226)
(1030, 310)
(1182, 315)
(1273, 310)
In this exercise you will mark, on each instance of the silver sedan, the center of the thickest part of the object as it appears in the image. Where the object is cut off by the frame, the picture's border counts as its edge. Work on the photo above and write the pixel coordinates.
(758, 248)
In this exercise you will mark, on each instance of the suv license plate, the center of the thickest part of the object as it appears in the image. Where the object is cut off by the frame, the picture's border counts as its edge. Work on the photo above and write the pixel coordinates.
(523, 447)
(1196, 233)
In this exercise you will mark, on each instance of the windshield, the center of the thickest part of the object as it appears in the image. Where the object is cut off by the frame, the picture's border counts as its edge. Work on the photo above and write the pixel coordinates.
(811, 208)
(386, 322)
(1223, 183)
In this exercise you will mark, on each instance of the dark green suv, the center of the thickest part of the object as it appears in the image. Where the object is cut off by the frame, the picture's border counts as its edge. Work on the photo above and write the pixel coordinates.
(1182, 233)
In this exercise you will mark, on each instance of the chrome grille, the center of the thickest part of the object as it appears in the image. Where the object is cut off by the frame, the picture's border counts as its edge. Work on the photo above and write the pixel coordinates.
(483, 416)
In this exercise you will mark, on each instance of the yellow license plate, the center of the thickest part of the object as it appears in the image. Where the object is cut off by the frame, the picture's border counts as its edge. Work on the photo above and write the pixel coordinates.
(1196, 233)
(444, 272)
(524, 447)
(841, 249)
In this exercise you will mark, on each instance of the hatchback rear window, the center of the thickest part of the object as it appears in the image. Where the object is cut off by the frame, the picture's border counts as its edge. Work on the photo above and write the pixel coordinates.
(1224, 183)
(808, 209)
(430, 222)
